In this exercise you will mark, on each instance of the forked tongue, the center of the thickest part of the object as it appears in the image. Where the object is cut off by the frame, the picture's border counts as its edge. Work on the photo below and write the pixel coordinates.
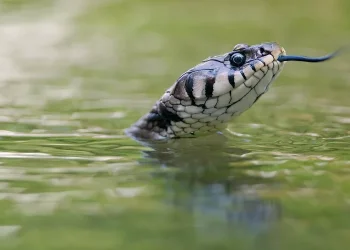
(285, 58)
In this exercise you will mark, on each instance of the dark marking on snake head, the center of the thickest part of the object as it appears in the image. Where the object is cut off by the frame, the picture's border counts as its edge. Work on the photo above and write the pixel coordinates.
(243, 75)
(253, 67)
(209, 86)
(189, 86)
(231, 78)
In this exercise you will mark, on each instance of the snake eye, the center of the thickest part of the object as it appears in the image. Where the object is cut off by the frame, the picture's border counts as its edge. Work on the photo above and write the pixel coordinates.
(237, 59)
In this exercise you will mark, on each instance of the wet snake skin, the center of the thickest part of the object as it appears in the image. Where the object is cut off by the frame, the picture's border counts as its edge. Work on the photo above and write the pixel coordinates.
(207, 96)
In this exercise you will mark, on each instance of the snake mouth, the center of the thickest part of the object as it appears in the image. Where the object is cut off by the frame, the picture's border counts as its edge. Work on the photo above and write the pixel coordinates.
(285, 58)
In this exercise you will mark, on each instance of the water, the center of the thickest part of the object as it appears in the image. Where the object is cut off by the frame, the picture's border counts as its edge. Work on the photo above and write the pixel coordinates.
(74, 74)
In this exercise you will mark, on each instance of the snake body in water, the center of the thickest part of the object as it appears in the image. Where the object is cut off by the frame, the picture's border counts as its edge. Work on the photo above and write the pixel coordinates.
(207, 96)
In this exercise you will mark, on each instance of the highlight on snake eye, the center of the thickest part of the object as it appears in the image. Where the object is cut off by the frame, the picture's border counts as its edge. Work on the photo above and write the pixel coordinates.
(173, 124)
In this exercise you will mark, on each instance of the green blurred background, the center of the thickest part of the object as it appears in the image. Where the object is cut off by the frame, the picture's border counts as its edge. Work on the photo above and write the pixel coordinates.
(75, 74)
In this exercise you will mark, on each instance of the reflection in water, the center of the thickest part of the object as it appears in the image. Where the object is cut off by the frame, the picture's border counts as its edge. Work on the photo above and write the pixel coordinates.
(205, 176)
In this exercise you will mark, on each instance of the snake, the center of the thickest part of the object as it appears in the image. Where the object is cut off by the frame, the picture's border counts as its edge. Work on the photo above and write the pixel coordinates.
(206, 97)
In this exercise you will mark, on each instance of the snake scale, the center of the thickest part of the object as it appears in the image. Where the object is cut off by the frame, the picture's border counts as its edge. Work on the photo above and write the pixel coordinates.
(207, 96)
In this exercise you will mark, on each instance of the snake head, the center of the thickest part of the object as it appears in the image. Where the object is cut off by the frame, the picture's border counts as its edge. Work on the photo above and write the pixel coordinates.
(219, 75)
(219, 88)
(208, 95)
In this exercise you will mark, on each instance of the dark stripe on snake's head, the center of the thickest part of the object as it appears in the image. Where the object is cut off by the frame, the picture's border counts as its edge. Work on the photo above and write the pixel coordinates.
(189, 86)
(252, 66)
(209, 86)
(231, 78)
(242, 73)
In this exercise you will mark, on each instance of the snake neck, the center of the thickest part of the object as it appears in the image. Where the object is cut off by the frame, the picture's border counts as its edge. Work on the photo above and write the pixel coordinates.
(153, 125)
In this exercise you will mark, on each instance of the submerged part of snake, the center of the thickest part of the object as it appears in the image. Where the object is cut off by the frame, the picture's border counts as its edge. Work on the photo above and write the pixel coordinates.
(207, 96)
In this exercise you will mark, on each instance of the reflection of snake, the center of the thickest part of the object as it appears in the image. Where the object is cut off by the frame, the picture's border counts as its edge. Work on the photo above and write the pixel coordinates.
(207, 96)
